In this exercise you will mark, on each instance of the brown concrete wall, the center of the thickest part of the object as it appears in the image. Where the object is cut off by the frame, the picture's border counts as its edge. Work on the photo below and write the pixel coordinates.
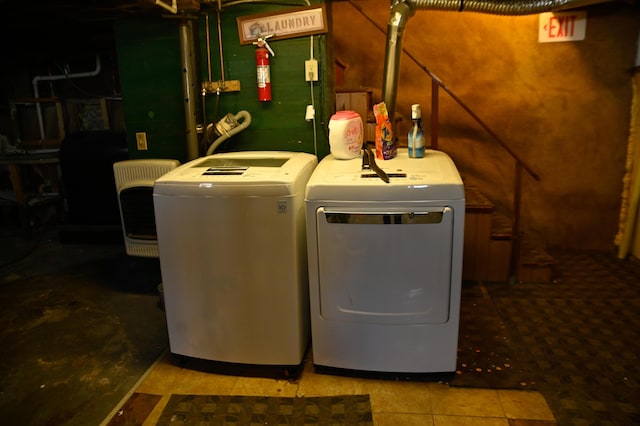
(562, 107)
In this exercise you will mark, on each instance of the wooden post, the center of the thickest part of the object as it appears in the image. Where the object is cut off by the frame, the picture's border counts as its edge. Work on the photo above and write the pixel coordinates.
(434, 113)
(516, 240)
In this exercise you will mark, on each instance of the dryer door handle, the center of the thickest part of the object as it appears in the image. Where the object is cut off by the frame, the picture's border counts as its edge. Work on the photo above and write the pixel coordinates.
(395, 218)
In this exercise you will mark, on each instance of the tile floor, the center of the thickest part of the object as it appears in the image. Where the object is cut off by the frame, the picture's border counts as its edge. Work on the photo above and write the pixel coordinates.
(392, 402)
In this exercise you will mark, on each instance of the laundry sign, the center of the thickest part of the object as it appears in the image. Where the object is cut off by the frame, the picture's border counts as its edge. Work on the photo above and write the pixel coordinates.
(288, 24)
(562, 26)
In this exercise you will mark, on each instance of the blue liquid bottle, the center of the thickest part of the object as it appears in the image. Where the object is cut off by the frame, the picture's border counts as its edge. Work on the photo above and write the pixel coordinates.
(416, 135)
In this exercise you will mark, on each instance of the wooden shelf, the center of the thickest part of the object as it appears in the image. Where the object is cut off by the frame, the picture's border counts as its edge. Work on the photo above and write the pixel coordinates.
(29, 114)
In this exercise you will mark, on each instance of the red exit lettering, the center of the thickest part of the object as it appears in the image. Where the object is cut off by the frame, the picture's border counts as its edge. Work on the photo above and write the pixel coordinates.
(561, 26)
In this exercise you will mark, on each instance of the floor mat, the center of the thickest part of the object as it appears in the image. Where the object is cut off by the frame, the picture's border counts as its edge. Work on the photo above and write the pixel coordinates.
(135, 411)
(214, 410)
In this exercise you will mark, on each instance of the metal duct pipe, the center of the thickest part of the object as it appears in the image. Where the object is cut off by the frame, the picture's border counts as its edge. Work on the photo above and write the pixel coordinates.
(502, 7)
(402, 10)
(189, 79)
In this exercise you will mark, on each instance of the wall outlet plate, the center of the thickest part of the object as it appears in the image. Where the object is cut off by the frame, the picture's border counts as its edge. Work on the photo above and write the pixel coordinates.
(311, 70)
(141, 141)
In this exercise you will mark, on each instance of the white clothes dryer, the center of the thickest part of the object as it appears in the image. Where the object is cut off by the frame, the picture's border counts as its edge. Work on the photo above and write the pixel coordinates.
(231, 239)
(385, 263)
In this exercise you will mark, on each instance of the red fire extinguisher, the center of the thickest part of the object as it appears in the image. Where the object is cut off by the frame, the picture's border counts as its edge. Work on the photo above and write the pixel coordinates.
(262, 68)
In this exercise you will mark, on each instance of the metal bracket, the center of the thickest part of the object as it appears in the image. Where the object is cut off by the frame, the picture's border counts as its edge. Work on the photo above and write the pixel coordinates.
(221, 86)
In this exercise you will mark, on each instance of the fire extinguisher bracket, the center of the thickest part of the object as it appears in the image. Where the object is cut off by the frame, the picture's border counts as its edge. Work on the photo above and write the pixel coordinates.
(262, 42)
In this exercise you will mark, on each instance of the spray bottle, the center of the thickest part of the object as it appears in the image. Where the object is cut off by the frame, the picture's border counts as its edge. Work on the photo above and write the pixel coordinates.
(416, 135)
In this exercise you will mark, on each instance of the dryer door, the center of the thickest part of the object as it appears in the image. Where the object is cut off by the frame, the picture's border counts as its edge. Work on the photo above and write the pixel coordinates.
(385, 267)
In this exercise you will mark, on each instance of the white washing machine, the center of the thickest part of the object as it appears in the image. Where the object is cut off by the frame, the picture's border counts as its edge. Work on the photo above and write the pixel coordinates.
(231, 238)
(385, 263)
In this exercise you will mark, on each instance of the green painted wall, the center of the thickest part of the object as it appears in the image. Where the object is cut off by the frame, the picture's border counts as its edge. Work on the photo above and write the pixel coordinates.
(149, 69)
(151, 84)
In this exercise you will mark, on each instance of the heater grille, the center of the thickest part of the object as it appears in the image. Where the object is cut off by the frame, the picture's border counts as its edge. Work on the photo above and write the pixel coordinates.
(141, 170)
(134, 183)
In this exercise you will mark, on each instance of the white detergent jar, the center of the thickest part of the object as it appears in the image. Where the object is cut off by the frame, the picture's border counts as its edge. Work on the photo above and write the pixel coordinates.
(345, 135)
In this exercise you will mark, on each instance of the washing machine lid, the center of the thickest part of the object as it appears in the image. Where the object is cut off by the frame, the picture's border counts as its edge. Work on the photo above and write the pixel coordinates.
(250, 172)
(433, 177)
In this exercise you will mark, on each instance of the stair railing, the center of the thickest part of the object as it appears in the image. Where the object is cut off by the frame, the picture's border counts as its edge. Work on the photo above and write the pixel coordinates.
(520, 165)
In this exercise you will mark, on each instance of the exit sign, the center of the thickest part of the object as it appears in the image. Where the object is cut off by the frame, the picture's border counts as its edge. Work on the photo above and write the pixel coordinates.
(562, 26)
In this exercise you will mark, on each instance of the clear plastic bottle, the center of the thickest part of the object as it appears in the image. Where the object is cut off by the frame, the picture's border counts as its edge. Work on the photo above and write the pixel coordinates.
(416, 135)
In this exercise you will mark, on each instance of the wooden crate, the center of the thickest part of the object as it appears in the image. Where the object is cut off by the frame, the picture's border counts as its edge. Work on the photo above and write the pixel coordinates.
(360, 102)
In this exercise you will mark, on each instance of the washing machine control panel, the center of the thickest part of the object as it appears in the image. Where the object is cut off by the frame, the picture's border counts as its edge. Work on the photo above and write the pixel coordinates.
(224, 171)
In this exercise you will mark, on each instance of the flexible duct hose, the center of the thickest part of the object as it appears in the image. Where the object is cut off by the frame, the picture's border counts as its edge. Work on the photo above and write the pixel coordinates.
(496, 7)
(246, 120)
(402, 10)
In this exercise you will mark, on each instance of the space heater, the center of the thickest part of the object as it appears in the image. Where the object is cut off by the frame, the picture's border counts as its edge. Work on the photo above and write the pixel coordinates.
(134, 184)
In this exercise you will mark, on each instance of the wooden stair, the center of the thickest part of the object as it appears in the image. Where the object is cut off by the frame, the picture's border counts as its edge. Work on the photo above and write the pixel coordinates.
(488, 241)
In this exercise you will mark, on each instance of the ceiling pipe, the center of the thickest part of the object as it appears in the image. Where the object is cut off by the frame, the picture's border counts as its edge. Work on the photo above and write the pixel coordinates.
(402, 10)
(173, 7)
(66, 76)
